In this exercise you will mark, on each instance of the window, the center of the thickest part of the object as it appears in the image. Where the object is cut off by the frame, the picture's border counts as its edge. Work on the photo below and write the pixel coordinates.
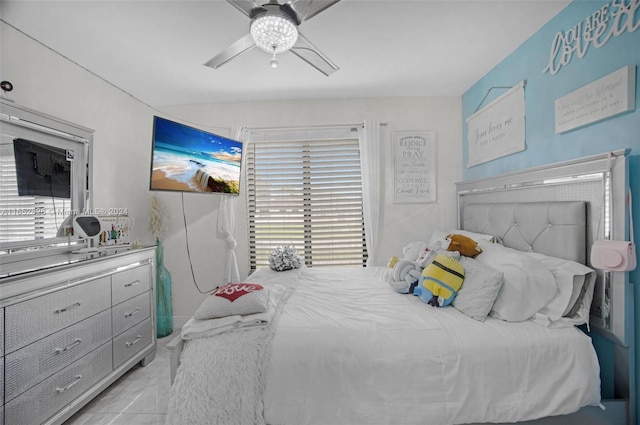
(306, 193)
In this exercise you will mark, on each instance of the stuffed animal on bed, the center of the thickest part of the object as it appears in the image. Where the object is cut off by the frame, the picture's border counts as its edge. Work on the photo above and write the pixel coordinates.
(413, 250)
(463, 244)
(402, 275)
(428, 254)
(440, 281)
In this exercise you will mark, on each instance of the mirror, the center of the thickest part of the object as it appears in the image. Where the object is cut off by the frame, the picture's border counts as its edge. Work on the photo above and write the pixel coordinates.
(44, 164)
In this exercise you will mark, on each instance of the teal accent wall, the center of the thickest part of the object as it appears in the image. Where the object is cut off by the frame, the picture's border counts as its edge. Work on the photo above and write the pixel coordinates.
(543, 146)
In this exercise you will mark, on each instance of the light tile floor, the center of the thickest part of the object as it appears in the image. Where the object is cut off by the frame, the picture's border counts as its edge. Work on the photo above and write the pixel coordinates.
(139, 397)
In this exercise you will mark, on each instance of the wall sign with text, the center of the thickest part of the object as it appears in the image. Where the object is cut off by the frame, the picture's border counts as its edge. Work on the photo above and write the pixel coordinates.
(498, 129)
(610, 20)
(611, 95)
(414, 166)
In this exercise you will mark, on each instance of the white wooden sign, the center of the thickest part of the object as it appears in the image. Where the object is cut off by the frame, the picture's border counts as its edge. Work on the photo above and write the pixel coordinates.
(414, 166)
(610, 95)
(498, 129)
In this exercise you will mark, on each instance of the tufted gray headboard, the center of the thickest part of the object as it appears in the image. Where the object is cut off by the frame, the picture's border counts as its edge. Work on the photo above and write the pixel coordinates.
(595, 186)
(558, 229)
(541, 209)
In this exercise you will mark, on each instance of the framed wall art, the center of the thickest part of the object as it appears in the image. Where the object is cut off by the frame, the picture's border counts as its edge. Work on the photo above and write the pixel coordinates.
(414, 176)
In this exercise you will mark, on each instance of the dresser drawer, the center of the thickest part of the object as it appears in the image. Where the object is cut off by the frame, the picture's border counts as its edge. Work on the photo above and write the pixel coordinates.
(129, 283)
(41, 402)
(34, 319)
(130, 312)
(131, 342)
(36, 362)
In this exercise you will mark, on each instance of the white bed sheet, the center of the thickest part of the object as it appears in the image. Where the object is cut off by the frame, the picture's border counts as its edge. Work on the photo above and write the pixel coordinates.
(349, 350)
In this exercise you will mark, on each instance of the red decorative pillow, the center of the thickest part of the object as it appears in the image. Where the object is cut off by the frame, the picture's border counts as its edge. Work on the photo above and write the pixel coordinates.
(233, 299)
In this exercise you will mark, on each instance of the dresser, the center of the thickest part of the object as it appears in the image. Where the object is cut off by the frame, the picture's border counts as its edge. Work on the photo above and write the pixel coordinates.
(70, 327)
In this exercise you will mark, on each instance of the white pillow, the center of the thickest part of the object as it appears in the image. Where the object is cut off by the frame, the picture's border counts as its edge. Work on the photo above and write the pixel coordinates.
(479, 290)
(439, 235)
(233, 299)
(528, 284)
(574, 288)
(570, 277)
(579, 314)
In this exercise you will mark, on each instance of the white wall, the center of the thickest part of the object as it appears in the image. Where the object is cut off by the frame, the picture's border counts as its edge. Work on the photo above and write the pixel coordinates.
(402, 223)
(46, 81)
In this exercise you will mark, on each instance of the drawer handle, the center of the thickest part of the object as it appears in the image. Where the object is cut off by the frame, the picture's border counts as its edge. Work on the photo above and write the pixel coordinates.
(67, 308)
(132, 313)
(75, 381)
(68, 347)
(135, 282)
(130, 343)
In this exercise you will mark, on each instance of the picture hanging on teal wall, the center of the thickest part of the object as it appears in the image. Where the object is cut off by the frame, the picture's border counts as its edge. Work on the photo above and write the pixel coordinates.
(606, 97)
(498, 129)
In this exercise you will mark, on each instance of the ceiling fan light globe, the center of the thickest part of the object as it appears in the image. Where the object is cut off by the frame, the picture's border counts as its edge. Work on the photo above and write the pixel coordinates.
(273, 32)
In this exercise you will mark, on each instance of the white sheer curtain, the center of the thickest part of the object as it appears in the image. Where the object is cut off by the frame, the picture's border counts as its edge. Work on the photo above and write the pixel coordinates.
(227, 223)
(369, 138)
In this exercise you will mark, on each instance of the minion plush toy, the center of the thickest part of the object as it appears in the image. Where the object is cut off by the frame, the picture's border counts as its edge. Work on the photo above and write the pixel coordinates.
(440, 281)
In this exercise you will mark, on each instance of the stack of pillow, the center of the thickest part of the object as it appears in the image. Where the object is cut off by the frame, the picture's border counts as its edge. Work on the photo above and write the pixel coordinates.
(548, 290)
(515, 285)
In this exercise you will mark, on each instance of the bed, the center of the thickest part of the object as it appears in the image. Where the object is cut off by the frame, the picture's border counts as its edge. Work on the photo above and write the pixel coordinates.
(341, 347)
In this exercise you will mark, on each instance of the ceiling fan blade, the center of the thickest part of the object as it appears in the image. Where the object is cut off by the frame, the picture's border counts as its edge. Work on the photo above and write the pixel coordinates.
(244, 6)
(307, 9)
(309, 53)
(240, 46)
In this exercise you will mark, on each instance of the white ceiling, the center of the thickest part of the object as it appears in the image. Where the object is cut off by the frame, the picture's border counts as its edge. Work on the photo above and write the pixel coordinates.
(155, 49)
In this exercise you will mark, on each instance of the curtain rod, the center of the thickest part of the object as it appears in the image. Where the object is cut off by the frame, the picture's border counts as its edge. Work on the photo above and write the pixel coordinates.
(382, 124)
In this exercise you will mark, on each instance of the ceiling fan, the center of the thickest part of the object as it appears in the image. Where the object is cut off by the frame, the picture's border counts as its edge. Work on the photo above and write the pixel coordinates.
(274, 29)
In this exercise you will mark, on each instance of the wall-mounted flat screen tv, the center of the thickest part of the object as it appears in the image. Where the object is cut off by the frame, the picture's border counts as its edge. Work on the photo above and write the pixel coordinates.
(42, 170)
(186, 159)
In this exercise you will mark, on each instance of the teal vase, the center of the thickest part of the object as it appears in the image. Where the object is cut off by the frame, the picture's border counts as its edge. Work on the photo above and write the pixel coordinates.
(164, 307)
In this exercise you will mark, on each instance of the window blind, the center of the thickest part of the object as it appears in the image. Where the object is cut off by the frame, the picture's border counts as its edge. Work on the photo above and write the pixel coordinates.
(24, 218)
(307, 194)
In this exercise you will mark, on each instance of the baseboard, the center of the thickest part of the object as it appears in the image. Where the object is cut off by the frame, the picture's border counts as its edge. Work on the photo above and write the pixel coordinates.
(179, 322)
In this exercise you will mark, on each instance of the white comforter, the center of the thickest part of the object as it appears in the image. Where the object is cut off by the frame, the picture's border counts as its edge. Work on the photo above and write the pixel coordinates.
(349, 350)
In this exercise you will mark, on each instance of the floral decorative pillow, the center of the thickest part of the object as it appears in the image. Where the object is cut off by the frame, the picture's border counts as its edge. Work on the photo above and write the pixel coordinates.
(233, 299)
(284, 258)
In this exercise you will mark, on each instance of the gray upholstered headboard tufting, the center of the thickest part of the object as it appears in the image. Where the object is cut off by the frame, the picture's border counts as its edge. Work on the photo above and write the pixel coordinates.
(558, 229)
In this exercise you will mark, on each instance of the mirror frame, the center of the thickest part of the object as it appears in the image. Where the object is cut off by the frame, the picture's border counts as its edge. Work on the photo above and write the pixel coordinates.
(37, 126)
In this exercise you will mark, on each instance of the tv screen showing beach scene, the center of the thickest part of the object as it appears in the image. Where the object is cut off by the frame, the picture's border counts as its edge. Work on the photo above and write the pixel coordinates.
(186, 159)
